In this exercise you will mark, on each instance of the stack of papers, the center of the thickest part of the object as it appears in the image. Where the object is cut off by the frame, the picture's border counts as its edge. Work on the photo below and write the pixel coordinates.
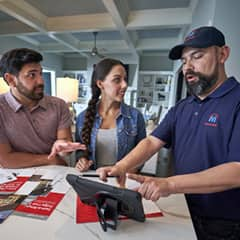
(31, 192)
(6, 176)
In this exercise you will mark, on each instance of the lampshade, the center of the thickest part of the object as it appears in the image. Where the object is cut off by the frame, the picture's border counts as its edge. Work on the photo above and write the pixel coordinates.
(3, 86)
(67, 89)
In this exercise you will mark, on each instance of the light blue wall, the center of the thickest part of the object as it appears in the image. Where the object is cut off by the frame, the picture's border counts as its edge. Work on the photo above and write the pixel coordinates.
(227, 18)
(204, 13)
(224, 14)
(202, 16)
(7, 43)
(74, 64)
(51, 61)
(155, 63)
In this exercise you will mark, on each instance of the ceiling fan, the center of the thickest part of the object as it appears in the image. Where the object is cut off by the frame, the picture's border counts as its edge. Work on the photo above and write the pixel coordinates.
(94, 51)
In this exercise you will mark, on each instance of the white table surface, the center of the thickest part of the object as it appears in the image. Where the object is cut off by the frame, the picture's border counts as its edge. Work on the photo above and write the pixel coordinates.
(175, 224)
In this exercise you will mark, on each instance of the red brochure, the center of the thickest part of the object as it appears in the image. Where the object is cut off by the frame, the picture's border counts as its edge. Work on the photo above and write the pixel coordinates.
(86, 213)
(13, 186)
(39, 206)
(41, 201)
(8, 199)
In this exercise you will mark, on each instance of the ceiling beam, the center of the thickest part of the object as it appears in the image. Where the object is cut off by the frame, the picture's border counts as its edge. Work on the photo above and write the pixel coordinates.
(29, 40)
(86, 46)
(114, 46)
(82, 23)
(13, 27)
(119, 12)
(144, 19)
(154, 18)
(70, 41)
(27, 14)
(156, 43)
(54, 48)
(118, 18)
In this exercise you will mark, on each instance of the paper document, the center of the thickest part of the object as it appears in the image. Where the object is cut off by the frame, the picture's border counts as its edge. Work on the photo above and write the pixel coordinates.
(6, 176)
(8, 199)
(44, 193)
(31, 192)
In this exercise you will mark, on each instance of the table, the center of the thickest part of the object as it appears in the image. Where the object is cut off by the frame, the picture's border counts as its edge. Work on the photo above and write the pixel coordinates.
(176, 223)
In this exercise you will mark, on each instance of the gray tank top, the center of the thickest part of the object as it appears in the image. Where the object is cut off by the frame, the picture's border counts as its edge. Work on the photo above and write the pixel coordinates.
(106, 147)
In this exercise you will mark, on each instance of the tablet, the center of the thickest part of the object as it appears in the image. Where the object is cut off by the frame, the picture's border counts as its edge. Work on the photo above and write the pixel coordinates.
(129, 201)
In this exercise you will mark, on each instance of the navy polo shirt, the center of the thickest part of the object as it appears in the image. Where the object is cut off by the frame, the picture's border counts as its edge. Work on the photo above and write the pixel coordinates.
(204, 134)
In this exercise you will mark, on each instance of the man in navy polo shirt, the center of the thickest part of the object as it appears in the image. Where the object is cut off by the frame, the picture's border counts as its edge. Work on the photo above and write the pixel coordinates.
(203, 131)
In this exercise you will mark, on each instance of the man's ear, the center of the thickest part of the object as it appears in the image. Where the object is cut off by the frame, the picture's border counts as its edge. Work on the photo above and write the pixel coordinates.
(224, 54)
(11, 79)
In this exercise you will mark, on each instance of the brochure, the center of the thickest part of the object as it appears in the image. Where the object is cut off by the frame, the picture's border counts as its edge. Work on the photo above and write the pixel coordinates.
(8, 203)
(44, 197)
(9, 200)
(31, 192)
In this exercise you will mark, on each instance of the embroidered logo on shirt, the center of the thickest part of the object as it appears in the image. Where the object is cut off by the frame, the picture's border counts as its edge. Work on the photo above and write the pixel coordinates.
(212, 120)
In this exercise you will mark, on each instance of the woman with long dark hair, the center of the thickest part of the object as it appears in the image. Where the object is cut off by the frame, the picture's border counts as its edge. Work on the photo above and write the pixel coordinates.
(108, 127)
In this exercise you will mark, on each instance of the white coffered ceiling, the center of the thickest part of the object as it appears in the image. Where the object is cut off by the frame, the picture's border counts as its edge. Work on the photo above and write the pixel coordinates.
(66, 27)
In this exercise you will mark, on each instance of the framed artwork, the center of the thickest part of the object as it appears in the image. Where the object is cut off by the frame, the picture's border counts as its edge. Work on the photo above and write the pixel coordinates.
(83, 91)
(159, 80)
(81, 78)
(147, 81)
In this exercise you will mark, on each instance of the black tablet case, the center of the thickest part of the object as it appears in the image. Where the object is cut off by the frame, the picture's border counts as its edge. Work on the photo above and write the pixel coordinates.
(130, 202)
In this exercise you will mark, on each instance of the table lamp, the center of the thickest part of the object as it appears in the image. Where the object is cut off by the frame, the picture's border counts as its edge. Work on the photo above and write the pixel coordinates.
(67, 89)
(3, 86)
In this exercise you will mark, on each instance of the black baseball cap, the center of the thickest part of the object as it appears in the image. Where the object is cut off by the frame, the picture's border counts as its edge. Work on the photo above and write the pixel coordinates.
(202, 37)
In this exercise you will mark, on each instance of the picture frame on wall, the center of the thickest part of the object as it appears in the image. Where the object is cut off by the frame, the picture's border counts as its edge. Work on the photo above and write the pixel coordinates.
(83, 90)
(159, 80)
(147, 81)
(81, 78)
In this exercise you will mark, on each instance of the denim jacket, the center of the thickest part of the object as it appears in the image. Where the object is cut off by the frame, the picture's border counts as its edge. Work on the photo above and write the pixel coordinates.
(130, 131)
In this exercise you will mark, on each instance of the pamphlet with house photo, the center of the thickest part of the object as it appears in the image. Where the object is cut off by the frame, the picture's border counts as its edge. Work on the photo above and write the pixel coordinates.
(43, 198)
(9, 200)
(31, 192)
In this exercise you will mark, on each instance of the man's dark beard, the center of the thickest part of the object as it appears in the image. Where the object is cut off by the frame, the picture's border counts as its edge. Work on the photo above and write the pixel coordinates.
(204, 83)
(30, 94)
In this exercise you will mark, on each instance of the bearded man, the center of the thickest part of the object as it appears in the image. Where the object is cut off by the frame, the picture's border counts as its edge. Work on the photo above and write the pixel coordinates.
(203, 131)
(31, 124)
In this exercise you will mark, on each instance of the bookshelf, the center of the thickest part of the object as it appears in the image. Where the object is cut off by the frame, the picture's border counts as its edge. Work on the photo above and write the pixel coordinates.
(154, 88)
